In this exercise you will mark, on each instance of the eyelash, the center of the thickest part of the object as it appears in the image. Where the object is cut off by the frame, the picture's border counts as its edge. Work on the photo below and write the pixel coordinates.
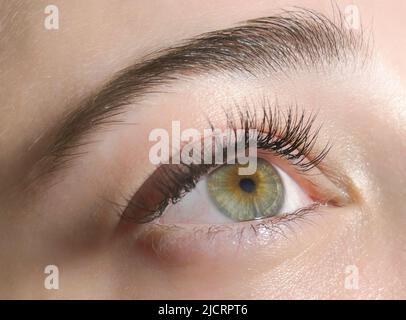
(288, 135)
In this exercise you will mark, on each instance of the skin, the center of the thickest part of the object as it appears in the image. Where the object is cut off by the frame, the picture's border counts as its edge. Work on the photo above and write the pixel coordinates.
(65, 223)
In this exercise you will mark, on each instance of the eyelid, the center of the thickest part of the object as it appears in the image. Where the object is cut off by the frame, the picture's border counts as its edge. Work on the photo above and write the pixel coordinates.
(288, 135)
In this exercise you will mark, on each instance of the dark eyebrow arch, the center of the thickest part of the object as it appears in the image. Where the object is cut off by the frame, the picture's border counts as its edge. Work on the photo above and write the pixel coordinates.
(294, 40)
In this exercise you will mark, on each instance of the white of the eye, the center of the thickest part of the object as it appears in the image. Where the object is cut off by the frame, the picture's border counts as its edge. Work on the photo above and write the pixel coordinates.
(197, 207)
(295, 196)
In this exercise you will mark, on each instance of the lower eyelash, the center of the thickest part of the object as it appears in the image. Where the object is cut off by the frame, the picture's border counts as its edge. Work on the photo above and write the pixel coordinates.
(275, 224)
(272, 224)
(166, 239)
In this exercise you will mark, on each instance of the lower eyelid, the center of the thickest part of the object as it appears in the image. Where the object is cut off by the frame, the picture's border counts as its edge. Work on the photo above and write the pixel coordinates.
(180, 245)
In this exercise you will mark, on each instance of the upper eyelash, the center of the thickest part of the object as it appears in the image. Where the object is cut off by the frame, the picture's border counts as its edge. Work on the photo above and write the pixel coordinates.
(283, 133)
(289, 135)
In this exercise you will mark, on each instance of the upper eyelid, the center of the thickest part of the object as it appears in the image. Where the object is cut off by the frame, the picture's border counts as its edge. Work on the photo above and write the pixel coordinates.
(260, 45)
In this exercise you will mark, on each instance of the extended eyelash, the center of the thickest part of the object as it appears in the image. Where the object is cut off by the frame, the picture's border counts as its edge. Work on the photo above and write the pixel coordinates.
(289, 135)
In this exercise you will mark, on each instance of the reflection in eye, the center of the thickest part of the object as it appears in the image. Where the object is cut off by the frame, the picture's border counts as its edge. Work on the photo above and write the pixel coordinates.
(246, 197)
(169, 196)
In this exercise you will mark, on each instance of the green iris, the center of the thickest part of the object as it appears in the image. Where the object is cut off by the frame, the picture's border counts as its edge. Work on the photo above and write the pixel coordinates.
(246, 197)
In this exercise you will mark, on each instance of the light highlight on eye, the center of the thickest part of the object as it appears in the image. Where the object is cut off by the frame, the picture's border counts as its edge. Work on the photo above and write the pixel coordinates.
(246, 197)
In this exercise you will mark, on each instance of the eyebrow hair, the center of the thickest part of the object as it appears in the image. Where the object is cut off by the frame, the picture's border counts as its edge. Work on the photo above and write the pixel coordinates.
(292, 40)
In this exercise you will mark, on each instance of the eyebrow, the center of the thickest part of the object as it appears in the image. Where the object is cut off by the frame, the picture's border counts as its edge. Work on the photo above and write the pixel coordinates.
(290, 41)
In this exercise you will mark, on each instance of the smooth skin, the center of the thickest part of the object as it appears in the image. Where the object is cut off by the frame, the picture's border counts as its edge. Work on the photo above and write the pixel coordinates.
(44, 73)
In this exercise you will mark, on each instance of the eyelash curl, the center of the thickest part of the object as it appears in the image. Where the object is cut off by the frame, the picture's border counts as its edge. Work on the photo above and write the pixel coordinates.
(289, 135)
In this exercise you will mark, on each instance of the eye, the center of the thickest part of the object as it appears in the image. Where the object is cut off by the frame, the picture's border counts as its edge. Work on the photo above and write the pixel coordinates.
(225, 196)
(191, 210)
(212, 194)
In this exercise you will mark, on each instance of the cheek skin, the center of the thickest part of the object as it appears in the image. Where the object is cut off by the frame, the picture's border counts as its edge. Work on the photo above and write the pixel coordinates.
(309, 262)
(238, 273)
(243, 242)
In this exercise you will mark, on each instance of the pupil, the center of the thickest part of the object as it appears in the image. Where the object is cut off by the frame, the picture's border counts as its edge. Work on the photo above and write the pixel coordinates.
(247, 185)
